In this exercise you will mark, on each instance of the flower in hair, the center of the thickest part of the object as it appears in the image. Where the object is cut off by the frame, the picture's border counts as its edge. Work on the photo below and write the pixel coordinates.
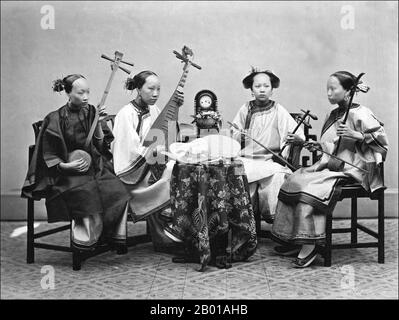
(362, 87)
(58, 85)
(254, 69)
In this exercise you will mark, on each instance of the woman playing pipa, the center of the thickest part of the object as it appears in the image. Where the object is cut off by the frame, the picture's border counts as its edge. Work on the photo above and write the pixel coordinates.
(138, 161)
(149, 198)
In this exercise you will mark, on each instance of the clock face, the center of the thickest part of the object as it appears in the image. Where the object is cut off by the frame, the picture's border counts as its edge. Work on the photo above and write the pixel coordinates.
(205, 102)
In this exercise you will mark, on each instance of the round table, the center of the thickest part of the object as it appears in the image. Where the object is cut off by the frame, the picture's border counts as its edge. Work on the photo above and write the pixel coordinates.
(208, 200)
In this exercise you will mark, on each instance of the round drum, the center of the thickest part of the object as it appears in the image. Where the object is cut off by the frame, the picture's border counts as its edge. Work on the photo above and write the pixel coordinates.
(78, 154)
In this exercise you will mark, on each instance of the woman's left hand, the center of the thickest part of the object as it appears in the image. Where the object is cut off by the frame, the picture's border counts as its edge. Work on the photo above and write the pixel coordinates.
(344, 131)
(102, 113)
(294, 139)
(158, 149)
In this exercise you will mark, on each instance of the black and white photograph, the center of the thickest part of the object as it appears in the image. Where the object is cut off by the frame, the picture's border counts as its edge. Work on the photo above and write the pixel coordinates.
(171, 152)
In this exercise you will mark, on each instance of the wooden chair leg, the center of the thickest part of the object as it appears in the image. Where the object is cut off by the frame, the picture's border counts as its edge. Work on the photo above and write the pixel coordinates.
(257, 222)
(381, 229)
(255, 208)
(354, 220)
(147, 230)
(76, 260)
(76, 254)
(30, 249)
(328, 245)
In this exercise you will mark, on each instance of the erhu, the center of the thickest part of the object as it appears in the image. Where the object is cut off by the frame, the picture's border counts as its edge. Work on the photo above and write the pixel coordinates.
(79, 153)
(337, 163)
(302, 120)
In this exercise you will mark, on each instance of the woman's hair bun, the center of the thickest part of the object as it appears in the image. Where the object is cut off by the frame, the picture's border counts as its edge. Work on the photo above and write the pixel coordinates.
(58, 85)
(138, 80)
(131, 83)
(348, 80)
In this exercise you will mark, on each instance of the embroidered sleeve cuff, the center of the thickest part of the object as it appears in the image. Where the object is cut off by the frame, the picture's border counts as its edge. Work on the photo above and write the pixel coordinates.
(53, 162)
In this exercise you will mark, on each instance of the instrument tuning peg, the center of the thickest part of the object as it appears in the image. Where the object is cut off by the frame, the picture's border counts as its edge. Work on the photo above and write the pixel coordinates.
(307, 124)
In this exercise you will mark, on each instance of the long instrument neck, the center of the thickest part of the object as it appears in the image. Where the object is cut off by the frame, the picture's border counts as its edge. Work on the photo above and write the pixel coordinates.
(300, 122)
(348, 107)
(169, 115)
(182, 81)
(107, 87)
(93, 127)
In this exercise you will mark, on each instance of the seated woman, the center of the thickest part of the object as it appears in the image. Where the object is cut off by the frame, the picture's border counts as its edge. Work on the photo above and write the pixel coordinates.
(269, 123)
(85, 190)
(150, 197)
(310, 193)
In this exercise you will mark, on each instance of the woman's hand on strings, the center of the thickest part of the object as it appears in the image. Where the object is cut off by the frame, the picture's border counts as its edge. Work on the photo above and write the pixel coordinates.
(294, 139)
(158, 150)
(312, 145)
(343, 130)
(247, 135)
(102, 113)
(244, 133)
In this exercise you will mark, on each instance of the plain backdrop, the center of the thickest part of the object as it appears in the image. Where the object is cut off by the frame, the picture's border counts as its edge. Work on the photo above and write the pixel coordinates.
(302, 42)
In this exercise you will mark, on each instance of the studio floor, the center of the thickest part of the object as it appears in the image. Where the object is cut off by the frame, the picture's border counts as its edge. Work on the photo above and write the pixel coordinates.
(145, 274)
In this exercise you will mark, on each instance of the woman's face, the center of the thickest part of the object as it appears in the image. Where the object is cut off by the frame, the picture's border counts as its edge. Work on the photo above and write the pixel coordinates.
(335, 92)
(262, 87)
(79, 95)
(150, 90)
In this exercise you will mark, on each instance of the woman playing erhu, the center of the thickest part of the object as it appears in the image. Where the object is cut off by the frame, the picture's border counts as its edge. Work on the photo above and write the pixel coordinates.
(310, 193)
(270, 123)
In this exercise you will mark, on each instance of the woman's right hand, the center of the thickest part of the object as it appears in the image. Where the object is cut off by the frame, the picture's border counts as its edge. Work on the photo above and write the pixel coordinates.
(312, 145)
(246, 135)
(293, 138)
(79, 165)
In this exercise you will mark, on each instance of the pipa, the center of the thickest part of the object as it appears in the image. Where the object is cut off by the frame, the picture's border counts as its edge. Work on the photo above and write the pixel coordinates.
(165, 122)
